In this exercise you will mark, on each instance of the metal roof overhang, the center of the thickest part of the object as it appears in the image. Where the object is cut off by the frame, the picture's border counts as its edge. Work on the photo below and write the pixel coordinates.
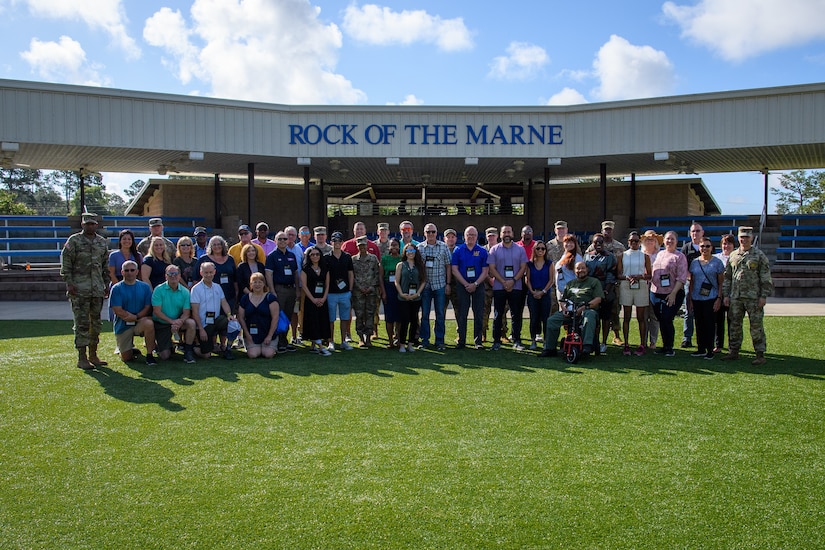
(749, 130)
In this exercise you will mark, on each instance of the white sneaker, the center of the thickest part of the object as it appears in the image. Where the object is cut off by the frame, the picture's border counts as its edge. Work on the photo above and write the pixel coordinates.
(331, 346)
(324, 351)
(402, 349)
(603, 348)
(346, 346)
(518, 346)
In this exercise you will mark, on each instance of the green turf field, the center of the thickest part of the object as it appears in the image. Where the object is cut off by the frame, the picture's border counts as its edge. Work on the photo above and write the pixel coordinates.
(375, 449)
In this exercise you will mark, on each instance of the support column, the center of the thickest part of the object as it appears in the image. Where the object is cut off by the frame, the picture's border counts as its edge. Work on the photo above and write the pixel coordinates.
(632, 221)
(603, 188)
(306, 195)
(250, 192)
(82, 191)
(218, 221)
(546, 217)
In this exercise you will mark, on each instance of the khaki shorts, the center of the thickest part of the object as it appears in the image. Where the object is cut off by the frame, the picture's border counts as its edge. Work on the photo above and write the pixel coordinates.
(639, 297)
(126, 339)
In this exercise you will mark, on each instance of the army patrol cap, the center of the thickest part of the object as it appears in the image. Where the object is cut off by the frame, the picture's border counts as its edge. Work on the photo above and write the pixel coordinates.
(607, 224)
(320, 230)
(561, 223)
(155, 221)
(491, 231)
(383, 225)
(88, 218)
(745, 231)
(362, 240)
(450, 231)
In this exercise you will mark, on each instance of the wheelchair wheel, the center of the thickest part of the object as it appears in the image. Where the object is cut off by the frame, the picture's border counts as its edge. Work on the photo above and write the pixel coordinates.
(572, 355)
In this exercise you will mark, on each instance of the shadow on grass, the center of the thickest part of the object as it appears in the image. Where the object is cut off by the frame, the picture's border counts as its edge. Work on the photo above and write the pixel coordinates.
(36, 329)
(802, 367)
(135, 390)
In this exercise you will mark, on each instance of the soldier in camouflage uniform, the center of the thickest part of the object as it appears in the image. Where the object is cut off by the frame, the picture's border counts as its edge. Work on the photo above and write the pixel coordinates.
(368, 284)
(746, 288)
(616, 248)
(555, 251)
(84, 266)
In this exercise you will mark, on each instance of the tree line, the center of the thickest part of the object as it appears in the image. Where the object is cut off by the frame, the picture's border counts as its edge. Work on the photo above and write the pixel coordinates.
(24, 191)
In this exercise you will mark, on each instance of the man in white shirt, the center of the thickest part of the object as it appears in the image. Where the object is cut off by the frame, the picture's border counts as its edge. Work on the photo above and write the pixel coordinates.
(211, 313)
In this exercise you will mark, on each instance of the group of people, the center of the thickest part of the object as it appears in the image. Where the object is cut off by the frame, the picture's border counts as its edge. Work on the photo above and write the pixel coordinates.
(199, 294)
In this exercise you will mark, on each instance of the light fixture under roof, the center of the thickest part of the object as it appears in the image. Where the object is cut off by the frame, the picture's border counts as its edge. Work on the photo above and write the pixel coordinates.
(519, 164)
(304, 161)
(554, 161)
(471, 161)
(393, 161)
(195, 155)
(9, 147)
(334, 165)
(663, 155)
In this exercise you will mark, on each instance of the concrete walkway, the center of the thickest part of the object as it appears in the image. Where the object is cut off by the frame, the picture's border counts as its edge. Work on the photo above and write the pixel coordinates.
(47, 311)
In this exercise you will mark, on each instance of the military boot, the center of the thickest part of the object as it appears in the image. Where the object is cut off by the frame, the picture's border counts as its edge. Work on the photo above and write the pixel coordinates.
(760, 359)
(93, 358)
(82, 360)
(733, 355)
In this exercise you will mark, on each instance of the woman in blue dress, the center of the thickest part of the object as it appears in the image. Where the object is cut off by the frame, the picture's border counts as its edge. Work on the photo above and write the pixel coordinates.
(258, 314)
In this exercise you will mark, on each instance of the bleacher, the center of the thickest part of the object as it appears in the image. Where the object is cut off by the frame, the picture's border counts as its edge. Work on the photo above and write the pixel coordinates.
(38, 240)
(802, 239)
(715, 226)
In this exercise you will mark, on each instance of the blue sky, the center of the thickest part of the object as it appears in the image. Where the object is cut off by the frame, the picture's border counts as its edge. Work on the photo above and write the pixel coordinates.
(522, 52)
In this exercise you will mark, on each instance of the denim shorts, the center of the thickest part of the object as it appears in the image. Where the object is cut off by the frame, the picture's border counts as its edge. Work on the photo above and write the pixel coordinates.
(340, 305)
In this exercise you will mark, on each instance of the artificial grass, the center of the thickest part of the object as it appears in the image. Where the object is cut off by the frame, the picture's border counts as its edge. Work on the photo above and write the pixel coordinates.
(375, 449)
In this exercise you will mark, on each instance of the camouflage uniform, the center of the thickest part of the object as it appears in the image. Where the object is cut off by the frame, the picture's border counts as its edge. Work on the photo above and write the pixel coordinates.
(84, 263)
(366, 274)
(747, 279)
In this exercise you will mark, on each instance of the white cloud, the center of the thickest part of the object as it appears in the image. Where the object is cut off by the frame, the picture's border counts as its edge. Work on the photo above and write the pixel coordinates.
(108, 15)
(63, 61)
(382, 26)
(628, 71)
(256, 50)
(410, 99)
(522, 61)
(738, 29)
(568, 96)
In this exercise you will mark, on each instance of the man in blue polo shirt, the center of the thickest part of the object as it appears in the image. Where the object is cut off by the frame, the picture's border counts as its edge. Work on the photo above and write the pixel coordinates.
(283, 277)
(131, 302)
(469, 266)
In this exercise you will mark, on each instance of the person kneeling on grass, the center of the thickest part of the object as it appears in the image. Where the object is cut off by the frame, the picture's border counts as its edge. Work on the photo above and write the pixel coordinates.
(208, 304)
(586, 291)
(131, 302)
(172, 312)
(258, 314)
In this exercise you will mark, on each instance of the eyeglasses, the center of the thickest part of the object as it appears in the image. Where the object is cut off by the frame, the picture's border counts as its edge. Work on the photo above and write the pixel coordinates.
(539, 248)
(172, 274)
(633, 240)
(305, 233)
(410, 251)
(184, 244)
(430, 231)
(705, 246)
(243, 233)
(281, 238)
(314, 253)
(128, 270)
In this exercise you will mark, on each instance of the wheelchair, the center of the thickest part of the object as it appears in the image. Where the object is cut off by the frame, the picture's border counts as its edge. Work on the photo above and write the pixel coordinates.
(572, 345)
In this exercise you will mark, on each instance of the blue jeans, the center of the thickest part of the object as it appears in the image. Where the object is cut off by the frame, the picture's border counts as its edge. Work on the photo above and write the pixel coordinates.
(428, 296)
(665, 315)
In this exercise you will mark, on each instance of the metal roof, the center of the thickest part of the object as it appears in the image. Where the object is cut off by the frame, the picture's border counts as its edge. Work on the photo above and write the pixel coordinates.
(52, 126)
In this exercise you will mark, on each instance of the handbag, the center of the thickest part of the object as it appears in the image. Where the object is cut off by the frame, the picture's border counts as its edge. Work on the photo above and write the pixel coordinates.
(283, 323)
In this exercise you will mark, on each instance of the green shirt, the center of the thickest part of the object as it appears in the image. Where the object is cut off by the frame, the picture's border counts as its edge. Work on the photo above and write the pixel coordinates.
(581, 291)
(171, 302)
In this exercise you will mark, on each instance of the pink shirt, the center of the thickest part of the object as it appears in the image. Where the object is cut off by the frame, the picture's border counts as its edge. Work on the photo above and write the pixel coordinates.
(674, 266)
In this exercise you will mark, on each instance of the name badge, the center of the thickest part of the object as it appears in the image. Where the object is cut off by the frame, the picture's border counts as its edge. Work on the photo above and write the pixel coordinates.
(210, 317)
(412, 289)
(287, 271)
(319, 288)
(130, 323)
(224, 278)
(509, 272)
(471, 272)
(664, 281)
(341, 284)
(430, 262)
(392, 277)
(253, 330)
(705, 289)
(634, 285)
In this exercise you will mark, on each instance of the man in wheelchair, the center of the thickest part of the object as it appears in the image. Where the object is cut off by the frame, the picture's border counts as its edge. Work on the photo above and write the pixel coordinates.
(585, 293)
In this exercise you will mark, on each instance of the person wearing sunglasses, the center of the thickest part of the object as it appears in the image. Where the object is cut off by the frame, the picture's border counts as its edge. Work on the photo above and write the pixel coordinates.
(410, 278)
(706, 276)
(634, 273)
(186, 261)
(131, 302)
(245, 238)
